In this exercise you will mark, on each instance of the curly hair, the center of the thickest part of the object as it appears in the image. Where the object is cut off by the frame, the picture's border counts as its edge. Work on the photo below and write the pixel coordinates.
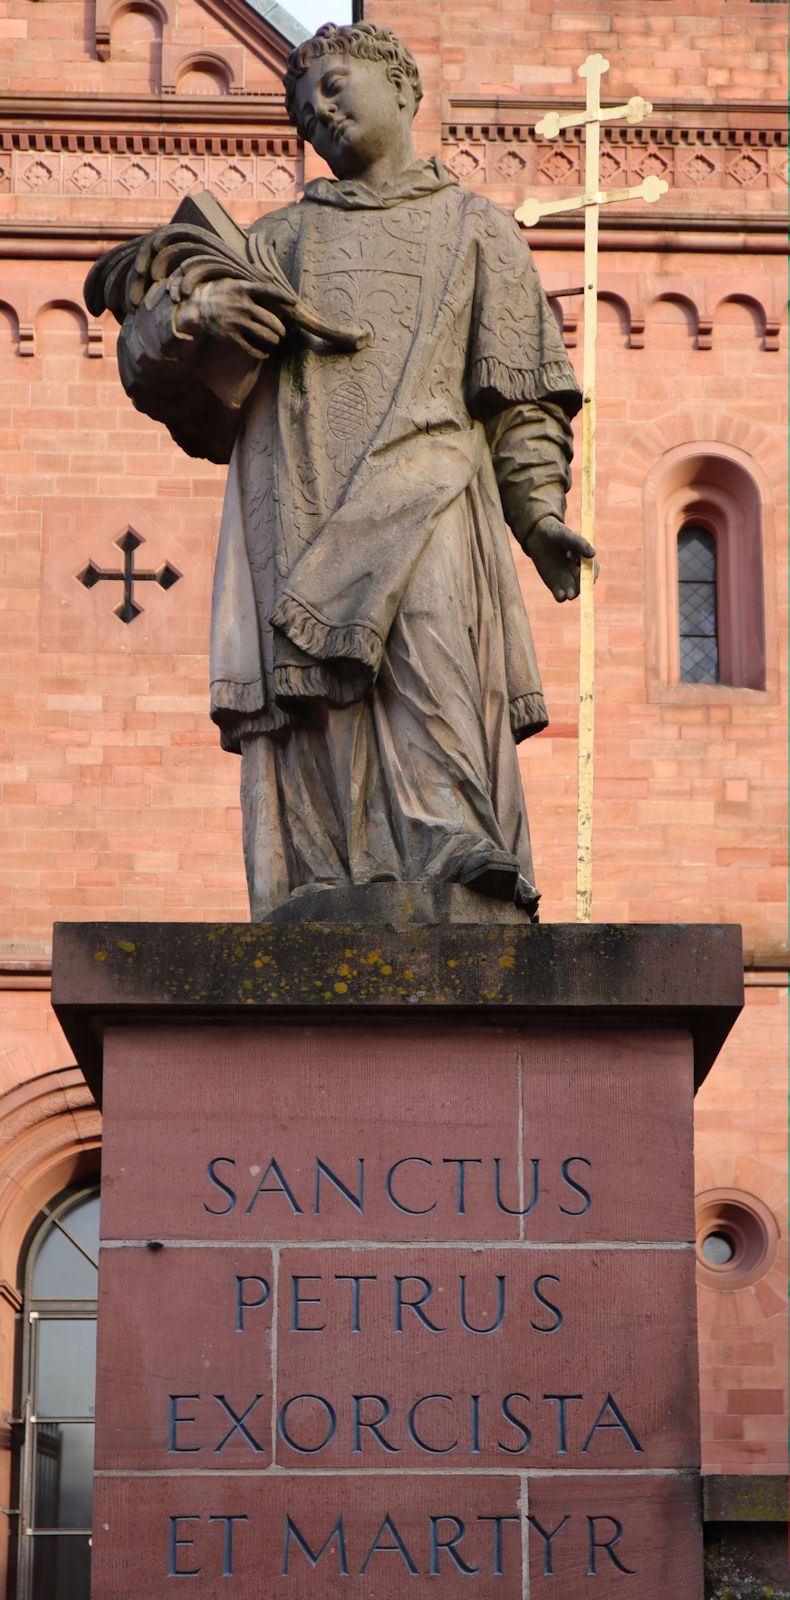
(361, 39)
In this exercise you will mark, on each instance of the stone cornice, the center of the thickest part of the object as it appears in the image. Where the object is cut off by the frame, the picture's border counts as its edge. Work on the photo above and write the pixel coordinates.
(76, 145)
(654, 976)
(673, 122)
(42, 116)
(708, 154)
(749, 234)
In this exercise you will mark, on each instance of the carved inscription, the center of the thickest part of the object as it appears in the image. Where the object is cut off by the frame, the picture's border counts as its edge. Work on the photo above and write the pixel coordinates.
(413, 1185)
(356, 1330)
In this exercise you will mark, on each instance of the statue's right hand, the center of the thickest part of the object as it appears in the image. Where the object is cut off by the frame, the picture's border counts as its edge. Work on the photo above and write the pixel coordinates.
(232, 310)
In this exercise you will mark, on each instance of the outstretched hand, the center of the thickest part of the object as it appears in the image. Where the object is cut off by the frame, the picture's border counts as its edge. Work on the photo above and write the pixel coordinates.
(232, 310)
(557, 553)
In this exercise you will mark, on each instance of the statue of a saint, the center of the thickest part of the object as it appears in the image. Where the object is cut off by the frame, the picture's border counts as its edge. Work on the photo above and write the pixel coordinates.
(372, 662)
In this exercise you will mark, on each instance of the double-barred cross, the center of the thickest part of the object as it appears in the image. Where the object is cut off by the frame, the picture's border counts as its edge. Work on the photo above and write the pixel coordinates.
(550, 126)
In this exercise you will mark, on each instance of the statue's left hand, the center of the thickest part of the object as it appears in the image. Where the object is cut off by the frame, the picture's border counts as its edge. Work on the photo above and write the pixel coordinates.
(557, 552)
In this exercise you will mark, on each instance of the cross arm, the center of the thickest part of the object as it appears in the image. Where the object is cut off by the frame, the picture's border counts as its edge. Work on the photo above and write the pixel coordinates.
(650, 189)
(634, 110)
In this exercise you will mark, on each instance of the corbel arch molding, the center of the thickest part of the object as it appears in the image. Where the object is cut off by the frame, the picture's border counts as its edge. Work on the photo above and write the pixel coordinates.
(622, 315)
(726, 487)
(695, 323)
(645, 295)
(756, 311)
(108, 12)
(9, 318)
(90, 329)
(20, 326)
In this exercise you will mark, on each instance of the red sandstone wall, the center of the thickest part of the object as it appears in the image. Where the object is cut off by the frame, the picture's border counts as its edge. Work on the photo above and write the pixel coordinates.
(117, 801)
(103, 49)
(741, 1144)
(674, 49)
(115, 792)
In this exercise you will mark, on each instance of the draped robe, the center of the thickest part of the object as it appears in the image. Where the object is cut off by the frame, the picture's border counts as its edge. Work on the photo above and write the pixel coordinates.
(371, 658)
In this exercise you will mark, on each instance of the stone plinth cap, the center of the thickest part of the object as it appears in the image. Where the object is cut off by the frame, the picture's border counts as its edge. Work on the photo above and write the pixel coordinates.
(565, 975)
(742, 1497)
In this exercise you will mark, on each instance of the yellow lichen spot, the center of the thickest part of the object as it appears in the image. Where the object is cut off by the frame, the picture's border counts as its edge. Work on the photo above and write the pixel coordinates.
(385, 969)
(101, 955)
(238, 950)
(247, 983)
(341, 988)
(327, 994)
(349, 952)
(373, 959)
(262, 961)
(452, 963)
(506, 961)
(408, 973)
(126, 944)
(344, 970)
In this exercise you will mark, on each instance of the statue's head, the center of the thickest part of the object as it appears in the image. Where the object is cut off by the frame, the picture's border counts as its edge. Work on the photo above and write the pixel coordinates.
(349, 90)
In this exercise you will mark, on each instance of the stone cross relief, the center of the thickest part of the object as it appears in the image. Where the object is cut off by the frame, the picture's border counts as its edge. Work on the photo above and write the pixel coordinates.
(127, 608)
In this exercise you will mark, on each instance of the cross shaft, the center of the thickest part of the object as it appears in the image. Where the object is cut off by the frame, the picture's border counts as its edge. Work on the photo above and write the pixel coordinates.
(530, 212)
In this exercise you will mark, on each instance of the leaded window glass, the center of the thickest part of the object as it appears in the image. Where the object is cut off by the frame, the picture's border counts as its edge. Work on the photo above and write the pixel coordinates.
(699, 645)
(58, 1405)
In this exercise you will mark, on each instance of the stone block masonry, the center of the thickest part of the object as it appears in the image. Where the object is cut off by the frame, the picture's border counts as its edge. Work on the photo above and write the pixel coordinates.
(397, 1275)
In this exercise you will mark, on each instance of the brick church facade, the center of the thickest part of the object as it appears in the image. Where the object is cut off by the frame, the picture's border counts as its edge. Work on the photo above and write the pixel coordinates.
(117, 801)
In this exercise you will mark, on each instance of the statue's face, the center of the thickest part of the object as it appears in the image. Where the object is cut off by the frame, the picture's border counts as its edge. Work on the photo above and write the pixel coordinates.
(350, 110)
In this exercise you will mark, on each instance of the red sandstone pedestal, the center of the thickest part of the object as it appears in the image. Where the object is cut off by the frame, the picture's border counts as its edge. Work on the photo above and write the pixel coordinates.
(397, 1275)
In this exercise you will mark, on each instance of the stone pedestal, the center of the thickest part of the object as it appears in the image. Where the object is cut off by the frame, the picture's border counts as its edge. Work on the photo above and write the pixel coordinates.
(397, 1279)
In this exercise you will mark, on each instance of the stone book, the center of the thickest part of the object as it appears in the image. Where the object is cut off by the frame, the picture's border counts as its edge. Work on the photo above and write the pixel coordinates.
(199, 245)
(204, 210)
(227, 370)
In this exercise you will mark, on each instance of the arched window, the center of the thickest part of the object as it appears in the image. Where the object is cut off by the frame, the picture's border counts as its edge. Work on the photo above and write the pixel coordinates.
(697, 609)
(706, 596)
(58, 1386)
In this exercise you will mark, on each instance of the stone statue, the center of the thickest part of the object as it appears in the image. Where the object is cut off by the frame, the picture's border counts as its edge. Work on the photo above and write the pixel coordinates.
(371, 660)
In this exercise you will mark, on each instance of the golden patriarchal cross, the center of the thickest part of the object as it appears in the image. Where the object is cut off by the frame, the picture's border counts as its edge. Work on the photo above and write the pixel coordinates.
(529, 213)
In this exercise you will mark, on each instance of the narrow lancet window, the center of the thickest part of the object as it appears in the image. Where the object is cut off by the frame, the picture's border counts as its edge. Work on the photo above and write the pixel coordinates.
(699, 647)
